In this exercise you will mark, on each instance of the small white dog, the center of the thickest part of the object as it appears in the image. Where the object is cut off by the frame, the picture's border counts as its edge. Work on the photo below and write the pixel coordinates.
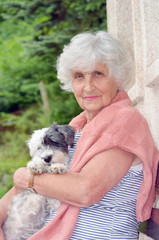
(28, 210)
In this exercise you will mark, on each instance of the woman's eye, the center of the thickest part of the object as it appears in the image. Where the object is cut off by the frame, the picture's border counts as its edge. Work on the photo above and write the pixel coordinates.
(96, 73)
(78, 75)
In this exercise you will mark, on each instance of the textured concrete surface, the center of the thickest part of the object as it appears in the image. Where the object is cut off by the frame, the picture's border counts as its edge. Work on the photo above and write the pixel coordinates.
(135, 23)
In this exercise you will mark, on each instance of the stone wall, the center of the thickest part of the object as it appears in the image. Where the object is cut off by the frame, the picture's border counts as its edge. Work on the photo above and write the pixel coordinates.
(136, 24)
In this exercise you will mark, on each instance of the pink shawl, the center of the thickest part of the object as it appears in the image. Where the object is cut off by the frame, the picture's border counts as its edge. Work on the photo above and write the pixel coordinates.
(118, 125)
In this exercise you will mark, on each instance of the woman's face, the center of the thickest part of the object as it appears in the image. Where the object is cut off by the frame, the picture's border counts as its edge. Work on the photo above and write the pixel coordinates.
(94, 90)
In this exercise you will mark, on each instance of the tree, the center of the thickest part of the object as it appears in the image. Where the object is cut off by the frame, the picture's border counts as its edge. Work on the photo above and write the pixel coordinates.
(33, 33)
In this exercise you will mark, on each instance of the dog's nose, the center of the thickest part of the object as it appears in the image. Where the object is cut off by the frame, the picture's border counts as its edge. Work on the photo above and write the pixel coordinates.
(47, 159)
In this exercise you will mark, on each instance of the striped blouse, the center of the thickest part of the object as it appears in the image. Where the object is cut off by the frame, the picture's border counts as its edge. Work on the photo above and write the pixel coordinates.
(114, 217)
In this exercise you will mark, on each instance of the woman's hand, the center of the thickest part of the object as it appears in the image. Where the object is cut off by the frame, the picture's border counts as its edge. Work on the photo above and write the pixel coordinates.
(21, 179)
(2, 237)
(4, 203)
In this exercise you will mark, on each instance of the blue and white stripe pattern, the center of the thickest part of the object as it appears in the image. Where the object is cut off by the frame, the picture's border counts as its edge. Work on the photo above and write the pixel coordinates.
(114, 217)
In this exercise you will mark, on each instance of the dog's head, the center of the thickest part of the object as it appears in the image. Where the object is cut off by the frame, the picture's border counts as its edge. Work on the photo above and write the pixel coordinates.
(60, 136)
(45, 142)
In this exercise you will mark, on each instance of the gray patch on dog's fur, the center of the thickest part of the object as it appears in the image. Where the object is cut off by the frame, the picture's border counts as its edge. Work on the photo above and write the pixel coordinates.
(60, 136)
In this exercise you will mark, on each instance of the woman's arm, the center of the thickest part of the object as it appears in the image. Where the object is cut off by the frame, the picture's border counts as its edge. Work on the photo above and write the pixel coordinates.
(4, 203)
(2, 237)
(97, 177)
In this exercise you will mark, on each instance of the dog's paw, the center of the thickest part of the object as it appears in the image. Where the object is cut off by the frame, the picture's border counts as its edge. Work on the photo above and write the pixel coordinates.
(34, 168)
(57, 168)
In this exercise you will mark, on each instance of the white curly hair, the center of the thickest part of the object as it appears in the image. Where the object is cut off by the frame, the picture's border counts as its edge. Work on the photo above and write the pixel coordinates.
(87, 49)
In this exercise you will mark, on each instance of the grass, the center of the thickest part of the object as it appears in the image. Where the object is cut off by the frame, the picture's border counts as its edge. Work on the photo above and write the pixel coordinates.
(13, 154)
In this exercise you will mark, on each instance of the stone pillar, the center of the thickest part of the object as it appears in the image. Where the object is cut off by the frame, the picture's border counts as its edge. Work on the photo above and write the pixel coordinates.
(136, 24)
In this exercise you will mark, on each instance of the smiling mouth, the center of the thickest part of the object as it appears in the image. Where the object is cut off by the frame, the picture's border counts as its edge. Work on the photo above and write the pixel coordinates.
(90, 98)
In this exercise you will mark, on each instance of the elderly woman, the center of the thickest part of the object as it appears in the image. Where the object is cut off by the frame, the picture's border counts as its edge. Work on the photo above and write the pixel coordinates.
(109, 188)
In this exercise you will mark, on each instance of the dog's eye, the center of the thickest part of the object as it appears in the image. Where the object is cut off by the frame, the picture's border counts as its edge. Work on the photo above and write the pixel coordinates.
(39, 148)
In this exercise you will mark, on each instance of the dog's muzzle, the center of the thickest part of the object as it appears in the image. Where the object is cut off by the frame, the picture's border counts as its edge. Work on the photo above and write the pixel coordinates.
(47, 159)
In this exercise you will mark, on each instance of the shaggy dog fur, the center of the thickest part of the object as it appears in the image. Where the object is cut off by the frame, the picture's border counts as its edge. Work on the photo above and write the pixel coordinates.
(28, 210)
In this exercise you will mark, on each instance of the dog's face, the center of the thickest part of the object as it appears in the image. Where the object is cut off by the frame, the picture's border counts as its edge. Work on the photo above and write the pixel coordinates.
(50, 145)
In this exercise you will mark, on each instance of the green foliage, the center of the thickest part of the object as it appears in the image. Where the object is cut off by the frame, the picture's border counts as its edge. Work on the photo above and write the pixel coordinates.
(142, 227)
(54, 22)
(19, 76)
(11, 160)
(63, 104)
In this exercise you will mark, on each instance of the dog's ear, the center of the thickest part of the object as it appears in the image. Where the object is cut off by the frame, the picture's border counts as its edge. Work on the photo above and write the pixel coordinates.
(60, 135)
(68, 133)
(35, 141)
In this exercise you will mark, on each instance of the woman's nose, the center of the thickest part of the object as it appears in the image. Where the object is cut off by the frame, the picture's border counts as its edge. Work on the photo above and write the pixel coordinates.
(89, 85)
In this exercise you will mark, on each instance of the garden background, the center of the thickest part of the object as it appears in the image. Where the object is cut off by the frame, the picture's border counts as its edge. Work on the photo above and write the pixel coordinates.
(32, 35)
